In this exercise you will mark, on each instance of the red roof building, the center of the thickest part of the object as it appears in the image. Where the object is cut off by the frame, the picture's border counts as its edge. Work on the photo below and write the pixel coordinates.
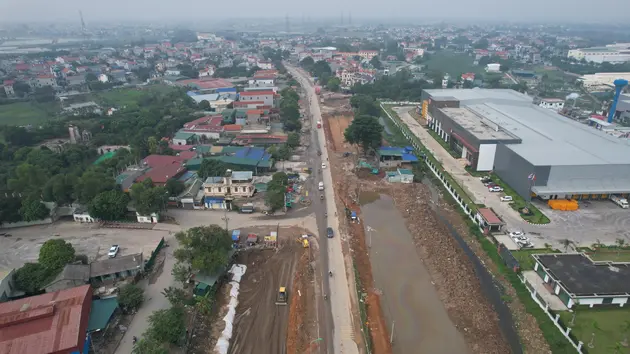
(49, 323)
(161, 174)
(205, 124)
(205, 84)
(257, 93)
(232, 128)
(154, 161)
(181, 147)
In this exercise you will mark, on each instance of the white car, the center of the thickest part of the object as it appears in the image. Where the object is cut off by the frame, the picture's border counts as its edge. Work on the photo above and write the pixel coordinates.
(506, 198)
(323, 165)
(113, 251)
(495, 189)
(525, 244)
(516, 234)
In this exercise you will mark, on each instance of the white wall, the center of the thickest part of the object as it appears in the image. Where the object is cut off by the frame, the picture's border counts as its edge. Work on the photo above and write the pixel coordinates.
(485, 162)
(590, 301)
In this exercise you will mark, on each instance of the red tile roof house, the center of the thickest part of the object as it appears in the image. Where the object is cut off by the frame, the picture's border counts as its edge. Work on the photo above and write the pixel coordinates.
(161, 174)
(208, 126)
(49, 323)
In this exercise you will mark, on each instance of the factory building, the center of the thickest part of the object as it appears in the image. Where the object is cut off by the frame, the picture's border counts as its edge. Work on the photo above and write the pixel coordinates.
(535, 150)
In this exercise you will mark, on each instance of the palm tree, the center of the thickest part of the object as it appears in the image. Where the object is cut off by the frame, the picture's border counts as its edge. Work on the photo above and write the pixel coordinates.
(566, 243)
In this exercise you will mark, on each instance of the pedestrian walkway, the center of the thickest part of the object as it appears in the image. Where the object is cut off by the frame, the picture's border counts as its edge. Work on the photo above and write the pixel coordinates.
(471, 185)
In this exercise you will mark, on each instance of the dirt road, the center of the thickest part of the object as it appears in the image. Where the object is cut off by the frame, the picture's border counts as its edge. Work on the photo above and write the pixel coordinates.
(260, 325)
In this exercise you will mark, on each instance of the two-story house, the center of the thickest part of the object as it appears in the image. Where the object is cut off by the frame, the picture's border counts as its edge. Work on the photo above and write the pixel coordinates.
(235, 184)
(265, 96)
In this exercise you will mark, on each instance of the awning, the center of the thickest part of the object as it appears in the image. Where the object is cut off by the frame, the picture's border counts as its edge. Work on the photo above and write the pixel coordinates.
(101, 313)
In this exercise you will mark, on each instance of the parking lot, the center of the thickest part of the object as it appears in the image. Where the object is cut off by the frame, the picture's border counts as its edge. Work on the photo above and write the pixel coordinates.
(595, 221)
(24, 243)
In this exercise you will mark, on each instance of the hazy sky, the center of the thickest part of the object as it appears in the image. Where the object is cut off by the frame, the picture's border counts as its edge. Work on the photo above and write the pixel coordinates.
(508, 10)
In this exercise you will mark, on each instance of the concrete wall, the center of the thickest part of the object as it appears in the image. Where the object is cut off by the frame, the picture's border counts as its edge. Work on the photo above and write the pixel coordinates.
(513, 170)
(487, 153)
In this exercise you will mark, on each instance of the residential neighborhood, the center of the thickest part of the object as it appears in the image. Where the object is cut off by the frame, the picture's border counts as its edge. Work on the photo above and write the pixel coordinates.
(328, 185)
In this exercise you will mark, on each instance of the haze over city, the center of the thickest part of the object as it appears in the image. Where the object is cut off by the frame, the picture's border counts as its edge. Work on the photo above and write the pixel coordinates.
(171, 11)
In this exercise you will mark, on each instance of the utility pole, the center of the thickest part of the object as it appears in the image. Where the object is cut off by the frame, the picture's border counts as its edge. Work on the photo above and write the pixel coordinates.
(225, 218)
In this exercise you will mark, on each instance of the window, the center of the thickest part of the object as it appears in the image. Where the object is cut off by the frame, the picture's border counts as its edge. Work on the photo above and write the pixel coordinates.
(607, 300)
(219, 189)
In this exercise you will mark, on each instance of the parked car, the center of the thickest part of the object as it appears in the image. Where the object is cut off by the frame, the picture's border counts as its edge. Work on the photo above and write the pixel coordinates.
(525, 244)
(520, 239)
(495, 189)
(489, 184)
(113, 251)
(516, 234)
(506, 198)
(323, 165)
(329, 232)
(485, 179)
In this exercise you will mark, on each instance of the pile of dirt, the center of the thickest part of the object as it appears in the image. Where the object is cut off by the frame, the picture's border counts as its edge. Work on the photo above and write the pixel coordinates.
(527, 327)
(297, 337)
(451, 271)
(455, 281)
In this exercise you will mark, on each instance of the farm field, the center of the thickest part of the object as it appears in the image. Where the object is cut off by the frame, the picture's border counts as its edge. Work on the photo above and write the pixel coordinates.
(25, 113)
(452, 63)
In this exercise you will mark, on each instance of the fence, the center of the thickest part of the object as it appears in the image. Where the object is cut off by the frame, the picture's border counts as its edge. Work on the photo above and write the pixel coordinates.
(441, 175)
(554, 317)
(149, 264)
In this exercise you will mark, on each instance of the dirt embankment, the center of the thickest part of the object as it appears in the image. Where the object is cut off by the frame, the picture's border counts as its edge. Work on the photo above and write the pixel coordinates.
(297, 336)
(375, 319)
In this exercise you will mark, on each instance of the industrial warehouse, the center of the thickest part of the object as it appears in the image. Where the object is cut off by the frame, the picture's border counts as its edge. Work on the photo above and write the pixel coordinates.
(535, 150)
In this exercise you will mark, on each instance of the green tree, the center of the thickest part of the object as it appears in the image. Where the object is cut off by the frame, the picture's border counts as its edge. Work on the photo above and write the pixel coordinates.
(33, 209)
(176, 296)
(153, 145)
(109, 205)
(55, 254)
(90, 77)
(289, 94)
(205, 248)
(149, 346)
(147, 198)
(10, 210)
(30, 278)
(29, 180)
(92, 183)
(60, 189)
(366, 132)
(321, 68)
(481, 44)
(376, 63)
(130, 297)
(174, 187)
(307, 62)
(333, 84)
(276, 189)
(167, 326)
(293, 139)
(212, 168)
(205, 105)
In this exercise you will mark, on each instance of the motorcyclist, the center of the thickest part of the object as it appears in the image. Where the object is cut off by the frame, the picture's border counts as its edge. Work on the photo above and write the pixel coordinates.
(325, 215)
(330, 273)
(135, 339)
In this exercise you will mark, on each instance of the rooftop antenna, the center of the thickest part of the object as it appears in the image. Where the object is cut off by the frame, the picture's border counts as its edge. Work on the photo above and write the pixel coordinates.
(286, 23)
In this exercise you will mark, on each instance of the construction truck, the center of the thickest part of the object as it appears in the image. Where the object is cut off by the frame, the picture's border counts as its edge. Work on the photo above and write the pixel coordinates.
(282, 296)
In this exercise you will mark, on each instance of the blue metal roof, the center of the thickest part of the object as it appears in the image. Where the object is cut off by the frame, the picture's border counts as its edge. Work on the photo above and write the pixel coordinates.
(409, 157)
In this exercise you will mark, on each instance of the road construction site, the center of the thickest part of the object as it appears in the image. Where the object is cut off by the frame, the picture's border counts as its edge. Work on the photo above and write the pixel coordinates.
(447, 300)
(263, 323)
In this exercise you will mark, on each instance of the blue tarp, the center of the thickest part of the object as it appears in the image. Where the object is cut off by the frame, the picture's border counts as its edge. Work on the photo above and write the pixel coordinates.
(253, 153)
(353, 215)
(236, 235)
(409, 157)
(226, 89)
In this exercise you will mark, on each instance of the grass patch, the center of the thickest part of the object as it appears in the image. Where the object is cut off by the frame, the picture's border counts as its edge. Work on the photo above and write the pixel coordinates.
(130, 96)
(610, 326)
(519, 203)
(25, 113)
(610, 255)
(443, 143)
(525, 259)
(363, 310)
(474, 173)
(452, 63)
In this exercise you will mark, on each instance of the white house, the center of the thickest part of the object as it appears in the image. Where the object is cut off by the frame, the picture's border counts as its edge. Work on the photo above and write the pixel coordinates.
(265, 65)
(150, 219)
(234, 184)
(493, 68)
(555, 104)
(261, 82)
(267, 97)
(82, 216)
(172, 72)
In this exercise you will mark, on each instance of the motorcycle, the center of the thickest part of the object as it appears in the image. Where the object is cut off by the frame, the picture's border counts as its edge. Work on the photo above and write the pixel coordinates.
(330, 273)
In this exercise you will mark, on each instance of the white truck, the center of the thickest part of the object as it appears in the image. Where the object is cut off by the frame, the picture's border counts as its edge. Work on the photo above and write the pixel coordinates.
(622, 202)
(320, 186)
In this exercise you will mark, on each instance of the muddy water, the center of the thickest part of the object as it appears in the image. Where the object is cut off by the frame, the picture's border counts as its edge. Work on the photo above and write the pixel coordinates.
(409, 300)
